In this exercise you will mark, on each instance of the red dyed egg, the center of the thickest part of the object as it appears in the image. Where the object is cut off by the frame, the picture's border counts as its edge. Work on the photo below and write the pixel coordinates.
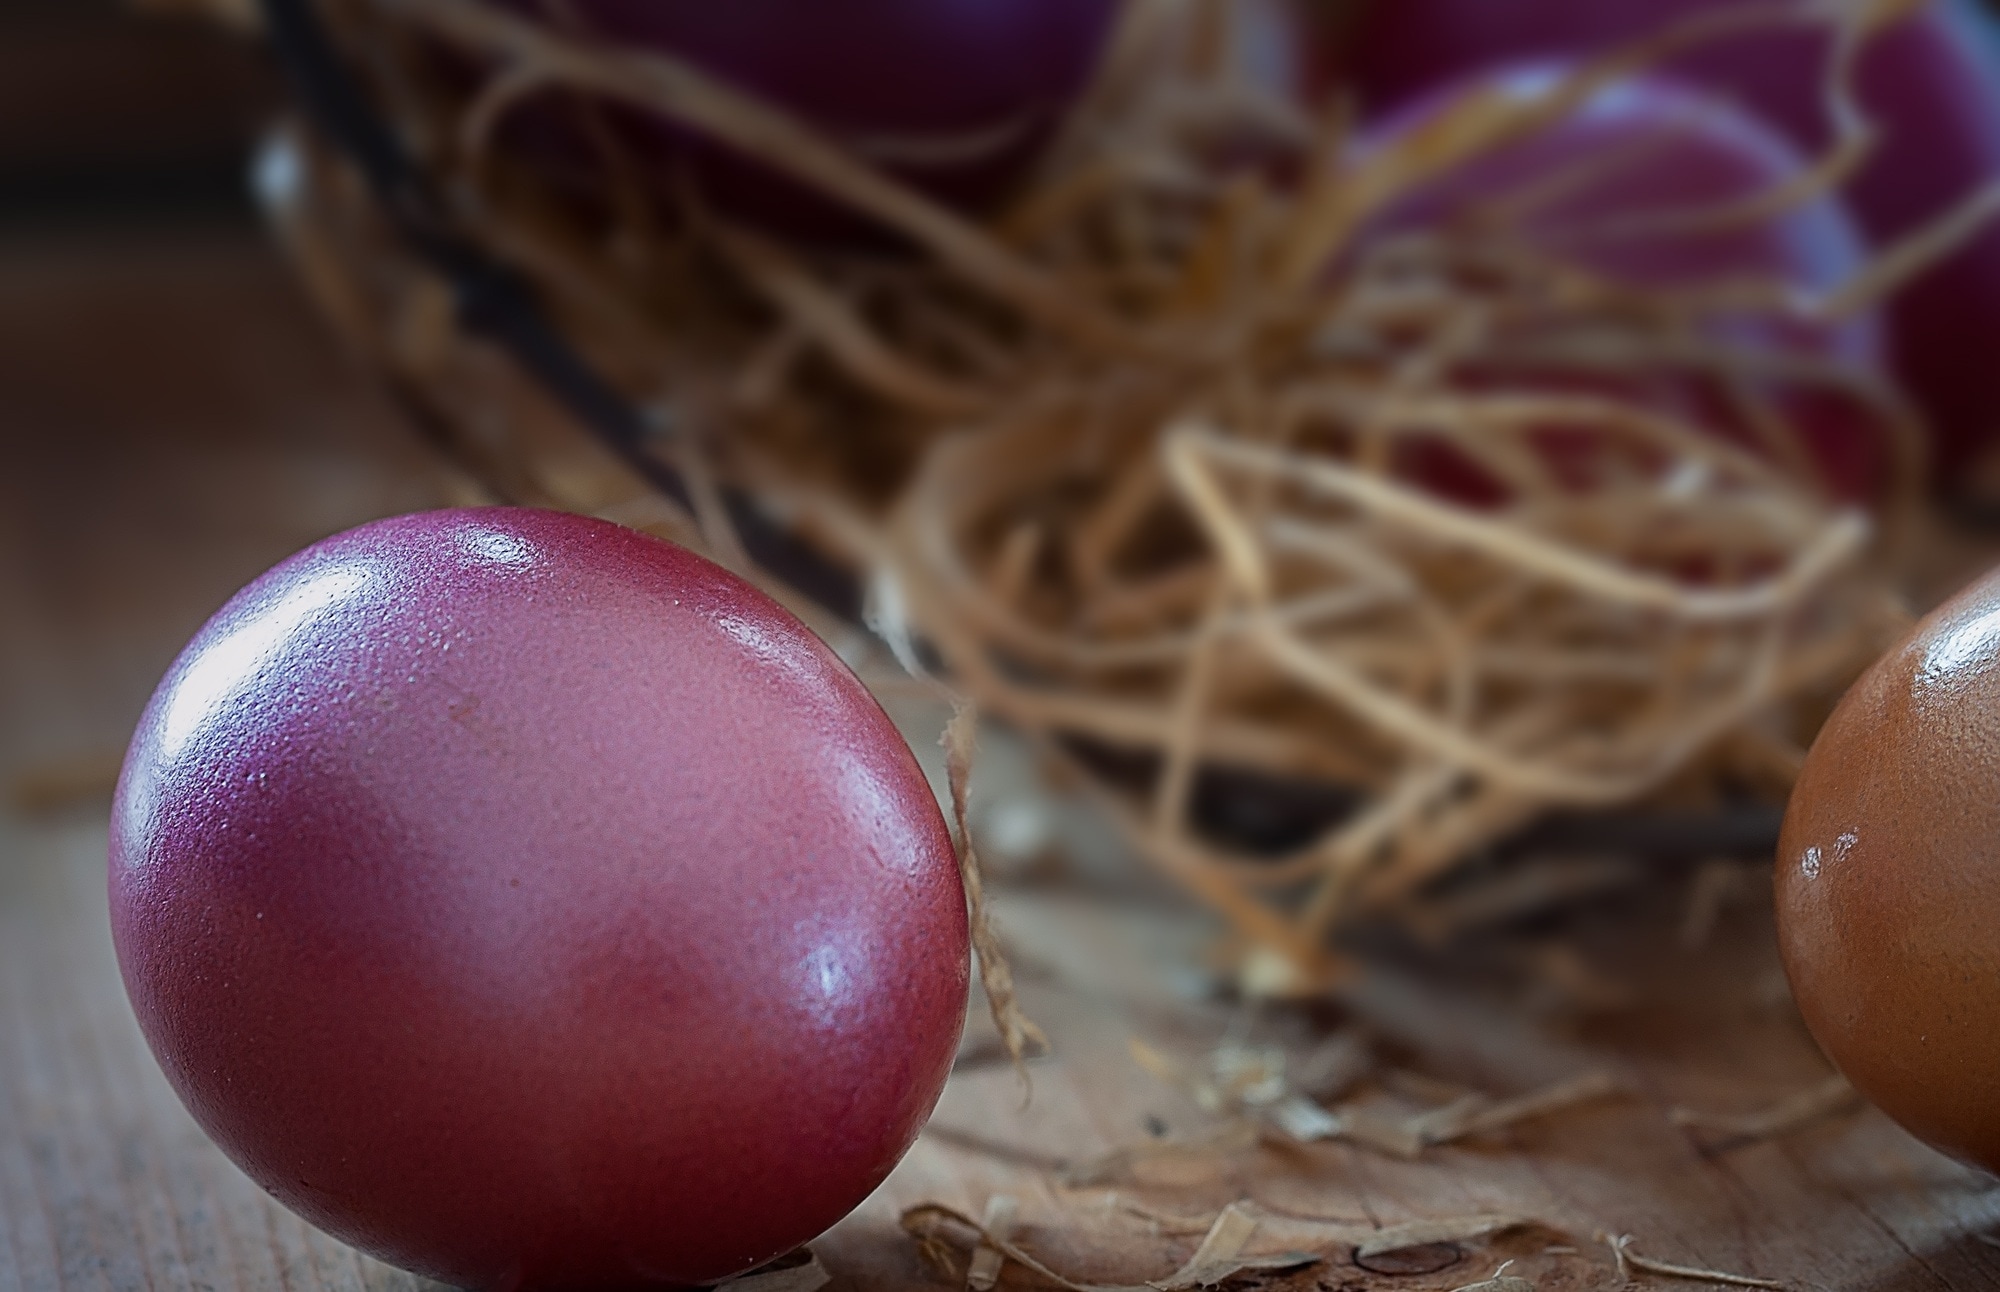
(1599, 188)
(534, 904)
(1930, 81)
(954, 97)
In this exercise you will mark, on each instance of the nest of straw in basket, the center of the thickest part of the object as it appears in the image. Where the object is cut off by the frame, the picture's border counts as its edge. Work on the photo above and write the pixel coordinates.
(1127, 463)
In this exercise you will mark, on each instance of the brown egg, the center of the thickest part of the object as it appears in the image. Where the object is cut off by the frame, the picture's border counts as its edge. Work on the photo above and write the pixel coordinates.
(1888, 880)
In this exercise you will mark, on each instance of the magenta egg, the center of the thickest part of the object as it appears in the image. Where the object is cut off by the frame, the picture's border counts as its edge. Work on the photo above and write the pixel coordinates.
(1931, 82)
(534, 904)
(1601, 188)
(954, 97)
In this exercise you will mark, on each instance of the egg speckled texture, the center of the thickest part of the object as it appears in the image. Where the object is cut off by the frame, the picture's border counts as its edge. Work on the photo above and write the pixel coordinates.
(534, 904)
(1888, 880)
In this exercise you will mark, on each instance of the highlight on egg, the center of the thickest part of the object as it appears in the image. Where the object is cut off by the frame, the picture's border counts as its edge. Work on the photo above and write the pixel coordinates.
(1888, 878)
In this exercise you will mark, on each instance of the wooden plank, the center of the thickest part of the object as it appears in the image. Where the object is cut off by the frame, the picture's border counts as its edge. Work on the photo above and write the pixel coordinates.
(231, 435)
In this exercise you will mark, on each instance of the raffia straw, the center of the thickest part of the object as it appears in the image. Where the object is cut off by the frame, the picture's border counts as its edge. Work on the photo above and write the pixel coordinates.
(687, 94)
(1228, 1238)
(1137, 460)
(1368, 1239)
(1017, 1031)
(1499, 1281)
(984, 1269)
(1121, 1163)
(1800, 1108)
(1451, 1125)
(1629, 1260)
(1219, 1256)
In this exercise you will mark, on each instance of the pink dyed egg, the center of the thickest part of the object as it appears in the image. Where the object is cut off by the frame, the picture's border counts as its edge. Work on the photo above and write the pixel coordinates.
(1601, 188)
(534, 904)
(1931, 81)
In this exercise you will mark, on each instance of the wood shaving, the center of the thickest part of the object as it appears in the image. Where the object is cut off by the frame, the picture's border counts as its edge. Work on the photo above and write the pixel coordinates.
(1017, 1031)
(1219, 1257)
(1499, 1281)
(1196, 392)
(1221, 1254)
(1396, 1136)
(799, 1272)
(1165, 1222)
(1419, 1233)
(1304, 1121)
(1309, 1233)
(1781, 1118)
(1446, 1126)
(1467, 1115)
(1228, 1238)
(1120, 1163)
(1629, 1260)
(1266, 1084)
(920, 1222)
(984, 1270)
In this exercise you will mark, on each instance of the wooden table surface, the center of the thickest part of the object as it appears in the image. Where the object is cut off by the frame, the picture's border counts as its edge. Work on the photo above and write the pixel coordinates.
(173, 421)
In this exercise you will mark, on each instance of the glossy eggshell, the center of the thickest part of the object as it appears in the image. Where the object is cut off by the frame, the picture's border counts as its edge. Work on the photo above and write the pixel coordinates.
(1931, 81)
(1888, 880)
(532, 903)
(1641, 147)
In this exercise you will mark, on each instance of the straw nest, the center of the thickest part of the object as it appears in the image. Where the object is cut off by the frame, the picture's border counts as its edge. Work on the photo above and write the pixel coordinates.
(1138, 464)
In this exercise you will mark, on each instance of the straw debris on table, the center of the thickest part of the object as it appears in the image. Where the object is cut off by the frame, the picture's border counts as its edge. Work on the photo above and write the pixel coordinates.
(1366, 1238)
(1798, 1109)
(1468, 1115)
(1499, 1281)
(1155, 463)
(1232, 1137)
(1241, 1238)
(1219, 1257)
(1017, 1031)
(1253, 1084)
(1482, 1116)
(984, 1269)
(1629, 1260)
(1221, 1254)
(1265, 1085)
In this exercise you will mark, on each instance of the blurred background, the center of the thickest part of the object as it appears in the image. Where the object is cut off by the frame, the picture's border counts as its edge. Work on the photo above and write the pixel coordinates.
(173, 417)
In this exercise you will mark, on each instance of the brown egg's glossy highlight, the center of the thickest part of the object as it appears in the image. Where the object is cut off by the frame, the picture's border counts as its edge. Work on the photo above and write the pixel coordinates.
(1888, 880)
(534, 904)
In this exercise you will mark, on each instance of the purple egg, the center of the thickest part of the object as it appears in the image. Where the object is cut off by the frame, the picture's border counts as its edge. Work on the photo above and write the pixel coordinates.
(534, 904)
(1590, 189)
(954, 97)
(1932, 81)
